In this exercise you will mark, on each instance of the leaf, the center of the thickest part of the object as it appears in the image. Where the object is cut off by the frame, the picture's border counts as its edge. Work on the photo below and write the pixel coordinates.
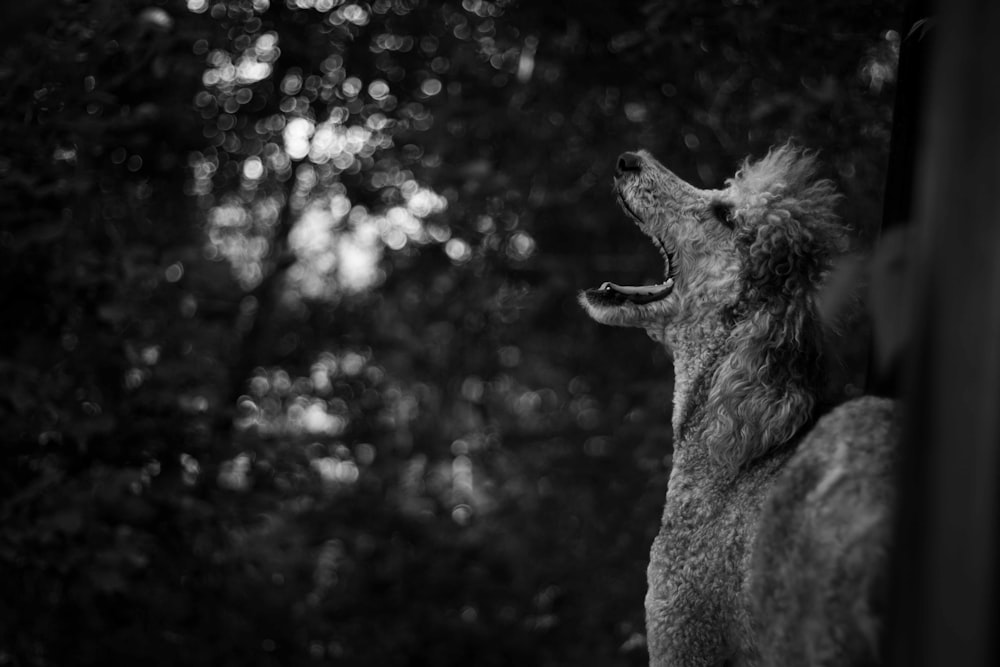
(66, 522)
(108, 580)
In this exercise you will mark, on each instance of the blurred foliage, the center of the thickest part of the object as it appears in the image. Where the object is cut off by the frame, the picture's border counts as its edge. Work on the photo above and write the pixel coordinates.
(292, 369)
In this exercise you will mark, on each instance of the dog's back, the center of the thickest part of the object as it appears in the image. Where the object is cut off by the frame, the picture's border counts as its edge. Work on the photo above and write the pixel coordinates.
(817, 582)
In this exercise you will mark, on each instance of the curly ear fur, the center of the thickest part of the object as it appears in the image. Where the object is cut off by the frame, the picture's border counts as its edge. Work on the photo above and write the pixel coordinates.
(789, 233)
(765, 390)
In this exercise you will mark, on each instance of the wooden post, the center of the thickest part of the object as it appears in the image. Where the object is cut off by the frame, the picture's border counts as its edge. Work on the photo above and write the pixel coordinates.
(947, 557)
(885, 365)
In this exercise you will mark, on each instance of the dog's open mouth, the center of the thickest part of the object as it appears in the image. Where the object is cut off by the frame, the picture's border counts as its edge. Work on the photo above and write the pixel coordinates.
(614, 294)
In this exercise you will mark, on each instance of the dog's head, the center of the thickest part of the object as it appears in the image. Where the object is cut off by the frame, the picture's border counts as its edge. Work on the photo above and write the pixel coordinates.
(742, 265)
(765, 241)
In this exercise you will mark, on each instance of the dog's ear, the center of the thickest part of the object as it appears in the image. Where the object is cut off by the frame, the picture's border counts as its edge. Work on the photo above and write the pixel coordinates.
(783, 258)
(789, 235)
(790, 232)
(764, 392)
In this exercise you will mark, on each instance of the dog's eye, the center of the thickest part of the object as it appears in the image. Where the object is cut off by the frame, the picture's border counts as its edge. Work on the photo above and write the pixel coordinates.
(723, 212)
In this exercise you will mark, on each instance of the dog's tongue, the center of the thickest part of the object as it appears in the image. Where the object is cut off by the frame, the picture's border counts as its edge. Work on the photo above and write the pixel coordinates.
(640, 293)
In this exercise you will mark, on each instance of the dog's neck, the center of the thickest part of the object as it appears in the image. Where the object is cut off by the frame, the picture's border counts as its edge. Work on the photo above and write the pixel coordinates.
(743, 386)
(698, 347)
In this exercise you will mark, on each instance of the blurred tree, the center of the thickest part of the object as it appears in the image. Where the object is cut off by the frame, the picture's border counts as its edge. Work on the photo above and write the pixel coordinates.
(292, 365)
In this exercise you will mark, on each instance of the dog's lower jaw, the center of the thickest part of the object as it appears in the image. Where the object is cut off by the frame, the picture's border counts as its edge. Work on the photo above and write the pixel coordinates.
(626, 314)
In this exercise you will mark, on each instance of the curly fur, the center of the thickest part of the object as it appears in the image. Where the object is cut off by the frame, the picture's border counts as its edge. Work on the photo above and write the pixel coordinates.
(741, 322)
(763, 392)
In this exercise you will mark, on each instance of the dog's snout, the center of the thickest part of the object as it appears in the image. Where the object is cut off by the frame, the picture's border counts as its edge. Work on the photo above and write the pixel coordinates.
(628, 162)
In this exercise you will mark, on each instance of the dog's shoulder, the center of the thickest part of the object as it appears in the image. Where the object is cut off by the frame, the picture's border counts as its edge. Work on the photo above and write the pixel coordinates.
(855, 440)
(859, 413)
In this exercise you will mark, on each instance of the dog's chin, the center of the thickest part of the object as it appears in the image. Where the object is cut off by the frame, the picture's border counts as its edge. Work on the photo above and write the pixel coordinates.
(612, 309)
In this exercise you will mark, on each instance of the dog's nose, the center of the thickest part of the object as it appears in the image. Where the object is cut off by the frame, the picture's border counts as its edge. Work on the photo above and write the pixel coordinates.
(628, 162)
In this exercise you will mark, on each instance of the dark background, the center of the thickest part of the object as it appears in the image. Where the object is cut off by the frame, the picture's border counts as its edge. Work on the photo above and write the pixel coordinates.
(273, 401)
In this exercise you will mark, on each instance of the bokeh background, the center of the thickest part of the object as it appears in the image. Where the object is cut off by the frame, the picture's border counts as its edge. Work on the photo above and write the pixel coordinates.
(291, 367)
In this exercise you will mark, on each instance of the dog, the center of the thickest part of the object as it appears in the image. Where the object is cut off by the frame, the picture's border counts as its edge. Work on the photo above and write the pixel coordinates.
(775, 533)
